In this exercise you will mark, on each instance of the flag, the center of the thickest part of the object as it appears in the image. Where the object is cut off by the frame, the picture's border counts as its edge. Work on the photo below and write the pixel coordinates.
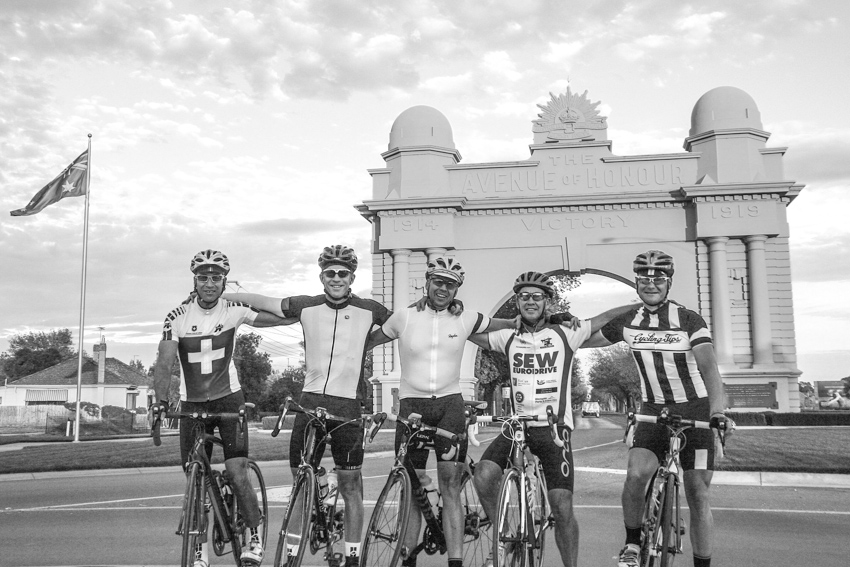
(70, 183)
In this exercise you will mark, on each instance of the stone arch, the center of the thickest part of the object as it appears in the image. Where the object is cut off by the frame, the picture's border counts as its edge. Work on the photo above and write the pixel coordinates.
(573, 206)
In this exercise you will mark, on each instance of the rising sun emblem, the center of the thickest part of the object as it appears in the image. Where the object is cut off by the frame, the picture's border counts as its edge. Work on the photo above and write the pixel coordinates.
(569, 118)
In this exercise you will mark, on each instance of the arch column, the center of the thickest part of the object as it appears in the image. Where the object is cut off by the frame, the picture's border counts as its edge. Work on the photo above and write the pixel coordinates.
(721, 312)
(759, 300)
(432, 253)
(401, 297)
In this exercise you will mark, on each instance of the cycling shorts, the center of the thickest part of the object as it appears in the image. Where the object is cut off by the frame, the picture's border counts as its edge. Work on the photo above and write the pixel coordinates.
(698, 452)
(557, 461)
(346, 438)
(446, 413)
(228, 429)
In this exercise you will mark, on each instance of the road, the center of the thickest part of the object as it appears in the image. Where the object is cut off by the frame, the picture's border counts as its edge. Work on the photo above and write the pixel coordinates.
(129, 518)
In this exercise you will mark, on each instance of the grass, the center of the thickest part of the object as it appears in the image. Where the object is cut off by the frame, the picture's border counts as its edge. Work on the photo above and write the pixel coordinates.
(138, 453)
(822, 450)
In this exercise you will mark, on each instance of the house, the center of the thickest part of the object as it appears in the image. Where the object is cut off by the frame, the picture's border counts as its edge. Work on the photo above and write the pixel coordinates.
(105, 382)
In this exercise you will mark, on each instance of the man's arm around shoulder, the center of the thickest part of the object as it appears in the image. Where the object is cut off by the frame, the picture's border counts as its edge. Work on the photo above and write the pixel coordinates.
(273, 305)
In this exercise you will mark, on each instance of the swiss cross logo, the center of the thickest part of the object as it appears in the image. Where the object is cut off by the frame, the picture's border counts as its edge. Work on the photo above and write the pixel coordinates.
(194, 328)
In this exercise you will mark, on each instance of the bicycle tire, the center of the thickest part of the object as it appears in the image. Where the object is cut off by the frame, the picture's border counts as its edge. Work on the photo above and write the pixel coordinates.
(477, 533)
(240, 532)
(384, 539)
(301, 500)
(540, 514)
(193, 513)
(669, 523)
(508, 542)
(650, 522)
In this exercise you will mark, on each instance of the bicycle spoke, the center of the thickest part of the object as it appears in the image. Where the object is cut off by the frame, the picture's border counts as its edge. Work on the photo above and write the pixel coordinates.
(477, 533)
(385, 532)
(508, 544)
(295, 529)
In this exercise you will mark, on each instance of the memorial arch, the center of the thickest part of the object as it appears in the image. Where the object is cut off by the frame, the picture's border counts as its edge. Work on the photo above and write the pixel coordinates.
(574, 207)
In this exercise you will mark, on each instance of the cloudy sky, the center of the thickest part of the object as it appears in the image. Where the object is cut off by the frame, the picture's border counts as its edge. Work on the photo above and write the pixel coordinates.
(249, 127)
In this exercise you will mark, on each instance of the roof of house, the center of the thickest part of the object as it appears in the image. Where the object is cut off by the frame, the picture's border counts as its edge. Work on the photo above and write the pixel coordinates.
(65, 374)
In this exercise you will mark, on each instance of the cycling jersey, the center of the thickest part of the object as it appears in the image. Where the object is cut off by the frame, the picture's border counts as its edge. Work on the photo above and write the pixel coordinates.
(335, 337)
(541, 368)
(662, 344)
(430, 345)
(205, 340)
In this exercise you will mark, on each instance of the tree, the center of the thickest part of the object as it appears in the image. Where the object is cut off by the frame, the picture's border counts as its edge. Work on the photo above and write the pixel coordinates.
(613, 372)
(254, 367)
(580, 389)
(283, 384)
(137, 366)
(31, 352)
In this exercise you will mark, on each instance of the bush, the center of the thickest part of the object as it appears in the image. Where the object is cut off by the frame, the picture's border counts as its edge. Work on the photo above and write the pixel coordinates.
(111, 412)
(88, 408)
(790, 419)
(747, 418)
(270, 420)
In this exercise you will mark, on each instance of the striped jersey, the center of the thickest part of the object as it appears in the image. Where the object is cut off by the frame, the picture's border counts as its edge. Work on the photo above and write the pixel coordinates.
(541, 368)
(335, 336)
(205, 341)
(661, 343)
(430, 345)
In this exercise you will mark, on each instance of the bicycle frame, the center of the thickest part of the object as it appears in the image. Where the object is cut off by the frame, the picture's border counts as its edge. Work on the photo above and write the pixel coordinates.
(326, 528)
(227, 527)
(527, 535)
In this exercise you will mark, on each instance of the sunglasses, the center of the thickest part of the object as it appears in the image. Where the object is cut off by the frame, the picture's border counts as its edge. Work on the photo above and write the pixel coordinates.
(205, 279)
(657, 280)
(336, 273)
(536, 296)
(439, 282)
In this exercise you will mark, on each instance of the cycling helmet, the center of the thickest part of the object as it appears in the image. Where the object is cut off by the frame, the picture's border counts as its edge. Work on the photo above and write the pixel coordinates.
(338, 255)
(210, 261)
(446, 268)
(654, 260)
(535, 279)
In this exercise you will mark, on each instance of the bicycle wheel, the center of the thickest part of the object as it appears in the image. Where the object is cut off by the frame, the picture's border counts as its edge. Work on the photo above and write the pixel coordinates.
(477, 535)
(539, 507)
(296, 522)
(650, 523)
(241, 533)
(385, 532)
(669, 523)
(193, 514)
(508, 544)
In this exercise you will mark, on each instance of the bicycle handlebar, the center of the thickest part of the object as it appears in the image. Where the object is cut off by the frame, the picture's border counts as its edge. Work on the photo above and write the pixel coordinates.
(678, 422)
(320, 413)
(413, 422)
(516, 418)
(158, 414)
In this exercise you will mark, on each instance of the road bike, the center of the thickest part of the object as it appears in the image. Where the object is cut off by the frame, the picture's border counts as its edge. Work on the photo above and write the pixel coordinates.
(523, 511)
(383, 545)
(210, 489)
(312, 514)
(662, 525)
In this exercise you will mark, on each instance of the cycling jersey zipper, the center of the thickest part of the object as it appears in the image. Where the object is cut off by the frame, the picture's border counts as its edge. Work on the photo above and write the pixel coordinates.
(331, 356)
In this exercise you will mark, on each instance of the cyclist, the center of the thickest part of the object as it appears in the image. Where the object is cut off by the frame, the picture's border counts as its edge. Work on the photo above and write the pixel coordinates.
(202, 333)
(336, 327)
(540, 355)
(672, 349)
(431, 344)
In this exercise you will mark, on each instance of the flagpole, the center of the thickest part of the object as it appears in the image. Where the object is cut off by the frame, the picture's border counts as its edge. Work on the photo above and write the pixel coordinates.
(83, 297)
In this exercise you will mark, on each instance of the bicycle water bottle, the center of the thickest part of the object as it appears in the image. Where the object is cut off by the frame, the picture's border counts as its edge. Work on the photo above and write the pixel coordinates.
(322, 477)
(332, 488)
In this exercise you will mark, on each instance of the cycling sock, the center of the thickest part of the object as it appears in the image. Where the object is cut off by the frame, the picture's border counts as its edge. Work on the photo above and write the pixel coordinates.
(702, 561)
(633, 536)
(455, 562)
(409, 562)
(352, 548)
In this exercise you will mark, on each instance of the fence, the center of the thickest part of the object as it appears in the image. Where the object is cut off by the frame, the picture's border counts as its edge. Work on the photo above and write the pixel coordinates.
(30, 416)
(117, 425)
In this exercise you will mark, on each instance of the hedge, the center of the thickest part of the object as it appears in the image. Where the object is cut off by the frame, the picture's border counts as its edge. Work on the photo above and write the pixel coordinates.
(769, 418)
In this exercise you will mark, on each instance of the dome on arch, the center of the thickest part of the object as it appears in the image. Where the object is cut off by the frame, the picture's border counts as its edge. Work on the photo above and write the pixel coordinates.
(724, 108)
(421, 126)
